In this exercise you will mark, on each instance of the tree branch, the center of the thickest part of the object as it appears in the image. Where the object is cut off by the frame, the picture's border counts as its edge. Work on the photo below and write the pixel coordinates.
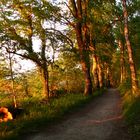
(65, 36)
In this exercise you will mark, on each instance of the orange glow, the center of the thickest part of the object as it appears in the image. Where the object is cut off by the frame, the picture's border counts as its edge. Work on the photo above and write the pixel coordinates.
(6, 115)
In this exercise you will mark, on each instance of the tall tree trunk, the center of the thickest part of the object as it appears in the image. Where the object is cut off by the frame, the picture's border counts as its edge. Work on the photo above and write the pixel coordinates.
(100, 73)
(12, 80)
(106, 75)
(95, 71)
(44, 66)
(134, 81)
(44, 78)
(96, 67)
(122, 62)
(85, 61)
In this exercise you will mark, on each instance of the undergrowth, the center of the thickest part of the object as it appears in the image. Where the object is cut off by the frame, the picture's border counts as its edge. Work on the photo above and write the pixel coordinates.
(132, 116)
(131, 111)
(37, 114)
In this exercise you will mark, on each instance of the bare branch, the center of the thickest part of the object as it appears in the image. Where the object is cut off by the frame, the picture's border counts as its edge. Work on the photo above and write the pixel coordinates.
(70, 9)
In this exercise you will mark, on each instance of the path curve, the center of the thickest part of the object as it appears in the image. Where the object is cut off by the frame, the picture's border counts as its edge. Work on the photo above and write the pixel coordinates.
(99, 120)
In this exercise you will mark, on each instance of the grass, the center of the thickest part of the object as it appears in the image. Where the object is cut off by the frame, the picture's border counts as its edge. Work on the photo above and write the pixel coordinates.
(37, 114)
(132, 117)
(131, 111)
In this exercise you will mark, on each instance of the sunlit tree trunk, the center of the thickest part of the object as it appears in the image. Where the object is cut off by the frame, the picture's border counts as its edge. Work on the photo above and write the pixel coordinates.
(85, 62)
(134, 81)
(107, 75)
(94, 61)
(44, 66)
(122, 62)
(100, 73)
(95, 71)
(44, 79)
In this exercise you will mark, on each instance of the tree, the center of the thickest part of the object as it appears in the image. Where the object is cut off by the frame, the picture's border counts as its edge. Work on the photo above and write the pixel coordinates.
(21, 22)
(78, 10)
(100, 18)
(134, 81)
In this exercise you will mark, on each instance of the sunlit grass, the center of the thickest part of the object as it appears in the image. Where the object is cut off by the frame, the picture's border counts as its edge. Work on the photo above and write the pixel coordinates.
(131, 111)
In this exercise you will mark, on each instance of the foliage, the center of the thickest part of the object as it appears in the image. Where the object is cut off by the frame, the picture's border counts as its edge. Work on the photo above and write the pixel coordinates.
(66, 74)
(125, 86)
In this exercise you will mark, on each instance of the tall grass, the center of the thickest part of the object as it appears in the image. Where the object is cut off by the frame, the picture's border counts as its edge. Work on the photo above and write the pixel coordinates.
(37, 114)
(132, 117)
(131, 111)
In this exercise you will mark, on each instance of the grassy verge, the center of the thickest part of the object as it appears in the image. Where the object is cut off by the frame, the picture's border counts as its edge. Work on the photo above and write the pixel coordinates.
(37, 114)
(132, 117)
(131, 109)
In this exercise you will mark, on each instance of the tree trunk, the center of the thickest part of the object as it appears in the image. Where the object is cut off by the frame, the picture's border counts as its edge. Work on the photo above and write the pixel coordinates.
(85, 60)
(95, 71)
(122, 62)
(134, 81)
(44, 78)
(44, 66)
(12, 80)
(100, 74)
(106, 75)
(79, 12)
(96, 67)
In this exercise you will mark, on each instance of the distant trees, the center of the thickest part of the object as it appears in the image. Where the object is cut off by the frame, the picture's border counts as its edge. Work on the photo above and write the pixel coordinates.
(67, 74)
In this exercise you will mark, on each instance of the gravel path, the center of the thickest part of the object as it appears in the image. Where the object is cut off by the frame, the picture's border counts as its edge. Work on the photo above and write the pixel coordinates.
(99, 120)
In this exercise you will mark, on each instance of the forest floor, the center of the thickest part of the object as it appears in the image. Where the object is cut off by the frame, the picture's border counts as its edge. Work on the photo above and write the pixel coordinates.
(101, 119)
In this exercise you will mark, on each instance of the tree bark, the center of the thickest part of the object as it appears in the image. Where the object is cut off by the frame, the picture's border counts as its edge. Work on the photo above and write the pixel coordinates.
(122, 62)
(134, 81)
(85, 61)
(12, 80)
(96, 67)
(95, 71)
(44, 78)
(100, 74)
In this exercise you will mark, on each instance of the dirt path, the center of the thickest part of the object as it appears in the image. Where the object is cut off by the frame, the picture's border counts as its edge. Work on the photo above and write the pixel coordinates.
(99, 120)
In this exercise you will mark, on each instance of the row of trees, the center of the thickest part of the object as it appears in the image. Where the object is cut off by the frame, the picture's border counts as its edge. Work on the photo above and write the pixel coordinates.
(94, 37)
(87, 18)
